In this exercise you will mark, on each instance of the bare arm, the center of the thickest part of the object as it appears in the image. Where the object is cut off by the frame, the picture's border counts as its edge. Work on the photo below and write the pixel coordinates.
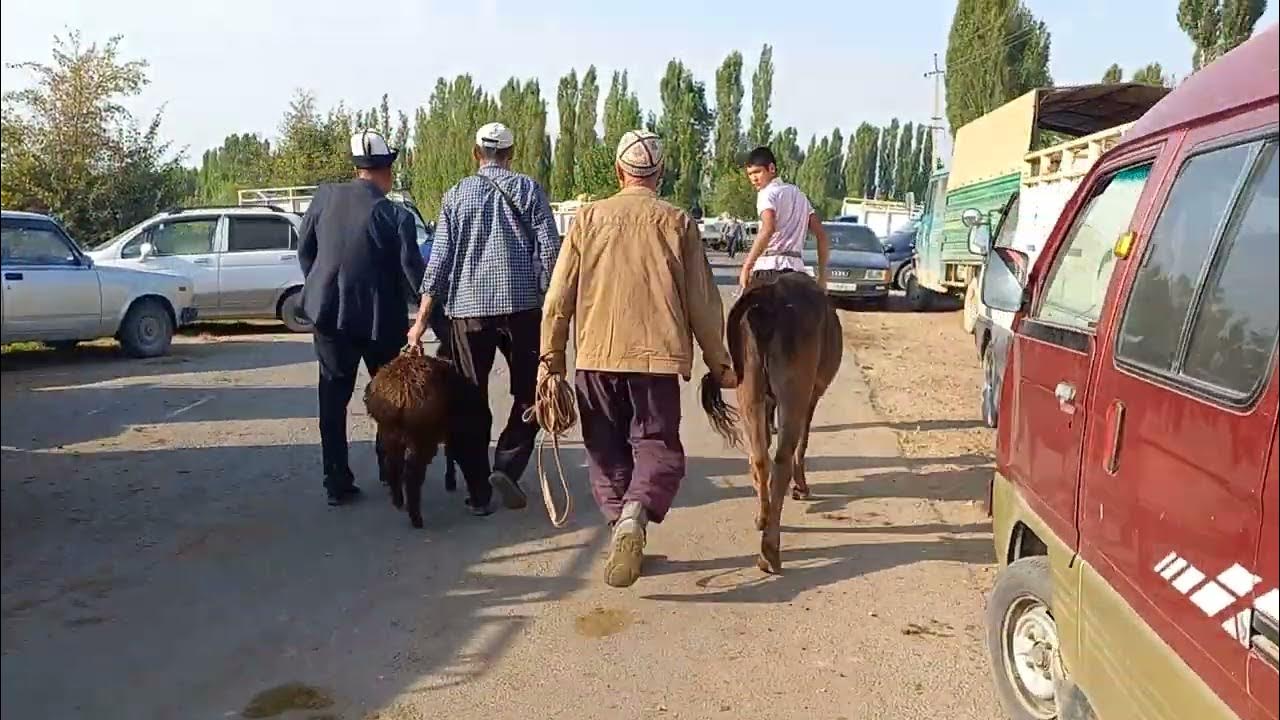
(768, 219)
(824, 248)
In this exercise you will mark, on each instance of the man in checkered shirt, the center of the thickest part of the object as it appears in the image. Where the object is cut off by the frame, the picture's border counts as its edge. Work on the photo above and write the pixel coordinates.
(491, 259)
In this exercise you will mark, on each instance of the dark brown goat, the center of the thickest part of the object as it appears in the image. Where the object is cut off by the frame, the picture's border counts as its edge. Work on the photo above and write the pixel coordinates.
(784, 338)
(409, 399)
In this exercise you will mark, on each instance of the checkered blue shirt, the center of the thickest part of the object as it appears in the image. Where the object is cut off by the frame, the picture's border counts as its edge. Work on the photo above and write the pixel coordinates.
(482, 264)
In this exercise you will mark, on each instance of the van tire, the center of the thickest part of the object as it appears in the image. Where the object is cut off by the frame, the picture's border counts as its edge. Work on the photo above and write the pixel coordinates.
(291, 312)
(147, 330)
(969, 317)
(1021, 603)
(990, 387)
(919, 299)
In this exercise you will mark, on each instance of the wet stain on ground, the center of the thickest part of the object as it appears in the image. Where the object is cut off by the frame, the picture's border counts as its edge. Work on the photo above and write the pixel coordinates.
(602, 622)
(283, 698)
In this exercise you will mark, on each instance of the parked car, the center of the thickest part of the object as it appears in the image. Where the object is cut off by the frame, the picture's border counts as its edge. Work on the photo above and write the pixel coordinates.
(1135, 496)
(857, 268)
(900, 247)
(243, 260)
(55, 294)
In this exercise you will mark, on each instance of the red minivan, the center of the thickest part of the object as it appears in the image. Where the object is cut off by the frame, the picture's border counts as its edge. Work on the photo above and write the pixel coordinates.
(1135, 499)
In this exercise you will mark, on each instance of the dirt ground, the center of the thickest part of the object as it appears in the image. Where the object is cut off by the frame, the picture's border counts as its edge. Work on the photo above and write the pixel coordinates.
(167, 553)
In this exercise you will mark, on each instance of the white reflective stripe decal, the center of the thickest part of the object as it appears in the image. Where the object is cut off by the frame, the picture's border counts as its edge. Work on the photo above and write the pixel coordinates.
(1189, 578)
(1267, 605)
(1212, 599)
(1165, 562)
(1238, 580)
(1174, 568)
(1237, 626)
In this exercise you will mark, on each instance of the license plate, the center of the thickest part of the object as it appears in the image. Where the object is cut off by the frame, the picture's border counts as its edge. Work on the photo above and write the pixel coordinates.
(842, 286)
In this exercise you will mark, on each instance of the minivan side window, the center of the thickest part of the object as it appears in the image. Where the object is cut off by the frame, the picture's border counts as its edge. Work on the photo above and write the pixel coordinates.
(246, 234)
(1234, 330)
(192, 236)
(1171, 272)
(1082, 270)
(1008, 224)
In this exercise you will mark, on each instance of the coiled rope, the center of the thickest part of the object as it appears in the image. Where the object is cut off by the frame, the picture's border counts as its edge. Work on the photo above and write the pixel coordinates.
(556, 412)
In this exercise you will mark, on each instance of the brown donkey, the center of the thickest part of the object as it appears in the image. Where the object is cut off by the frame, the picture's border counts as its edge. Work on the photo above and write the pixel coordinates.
(784, 338)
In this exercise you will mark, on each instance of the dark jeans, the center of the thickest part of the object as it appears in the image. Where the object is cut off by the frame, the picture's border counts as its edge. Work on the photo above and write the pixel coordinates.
(631, 429)
(340, 357)
(476, 341)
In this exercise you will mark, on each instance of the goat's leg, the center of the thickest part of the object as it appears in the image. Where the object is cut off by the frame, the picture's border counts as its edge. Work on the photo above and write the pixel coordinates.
(391, 466)
(800, 489)
(415, 475)
(450, 469)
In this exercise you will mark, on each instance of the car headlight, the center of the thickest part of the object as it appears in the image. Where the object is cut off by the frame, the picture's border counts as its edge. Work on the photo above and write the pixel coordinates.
(877, 275)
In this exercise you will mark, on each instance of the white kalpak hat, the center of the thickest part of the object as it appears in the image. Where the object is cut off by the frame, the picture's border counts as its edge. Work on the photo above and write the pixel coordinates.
(495, 136)
(640, 153)
(369, 150)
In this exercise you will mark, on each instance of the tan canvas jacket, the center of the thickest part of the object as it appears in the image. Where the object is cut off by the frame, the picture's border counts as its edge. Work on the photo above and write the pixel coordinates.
(633, 277)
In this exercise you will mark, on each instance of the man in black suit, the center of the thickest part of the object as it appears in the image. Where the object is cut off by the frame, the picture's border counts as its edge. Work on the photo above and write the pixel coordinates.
(361, 263)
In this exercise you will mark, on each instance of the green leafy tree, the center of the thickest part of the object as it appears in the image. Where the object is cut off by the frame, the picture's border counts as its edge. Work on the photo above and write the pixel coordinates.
(786, 149)
(313, 148)
(586, 145)
(444, 136)
(621, 111)
(860, 163)
(243, 161)
(834, 170)
(733, 194)
(924, 161)
(761, 132)
(522, 109)
(887, 163)
(1238, 20)
(70, 148)
(562, 167)
(1201, 20)
(729, 94)
(996, 51)
(905, 162)
(1113, 75)
(1152, 74)
(685, 126)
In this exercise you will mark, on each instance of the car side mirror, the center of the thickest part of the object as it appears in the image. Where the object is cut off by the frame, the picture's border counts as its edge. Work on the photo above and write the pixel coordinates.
(980, 239)
(971, 218)
(1004, 280)
(145, 251)
(887, 248)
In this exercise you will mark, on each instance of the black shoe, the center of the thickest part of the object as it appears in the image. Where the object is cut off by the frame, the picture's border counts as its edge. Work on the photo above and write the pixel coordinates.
(479, 509)
(513, 497)
(344, 495)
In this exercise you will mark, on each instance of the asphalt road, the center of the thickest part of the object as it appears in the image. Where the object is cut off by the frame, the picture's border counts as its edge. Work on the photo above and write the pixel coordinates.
(167, 553)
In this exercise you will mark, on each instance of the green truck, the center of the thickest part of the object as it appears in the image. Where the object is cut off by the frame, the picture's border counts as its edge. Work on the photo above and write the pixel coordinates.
(987, 163)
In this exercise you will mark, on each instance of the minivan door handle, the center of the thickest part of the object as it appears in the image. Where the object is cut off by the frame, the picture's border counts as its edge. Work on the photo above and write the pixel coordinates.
(1115, 432)
(201, 261)
(13, 276)
(288, 256)
(1066, 394)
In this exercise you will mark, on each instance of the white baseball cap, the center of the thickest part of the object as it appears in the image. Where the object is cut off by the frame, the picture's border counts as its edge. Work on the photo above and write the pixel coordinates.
(495, 135)
(370, 150)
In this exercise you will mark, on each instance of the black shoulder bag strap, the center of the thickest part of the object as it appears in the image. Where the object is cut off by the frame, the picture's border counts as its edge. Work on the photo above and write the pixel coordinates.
(525, 228)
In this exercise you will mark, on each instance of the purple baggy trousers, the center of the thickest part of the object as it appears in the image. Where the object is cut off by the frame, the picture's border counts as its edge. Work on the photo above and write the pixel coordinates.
(631, 429)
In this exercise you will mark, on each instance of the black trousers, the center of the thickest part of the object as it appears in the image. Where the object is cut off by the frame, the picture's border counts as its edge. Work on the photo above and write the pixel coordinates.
(340, 357)
(476, 342)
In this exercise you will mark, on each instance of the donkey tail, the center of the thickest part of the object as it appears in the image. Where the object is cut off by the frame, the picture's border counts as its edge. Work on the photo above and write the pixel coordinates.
(722, 416)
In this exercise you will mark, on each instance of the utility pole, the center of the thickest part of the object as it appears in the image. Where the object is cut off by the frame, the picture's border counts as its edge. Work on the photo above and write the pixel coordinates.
(936, 73)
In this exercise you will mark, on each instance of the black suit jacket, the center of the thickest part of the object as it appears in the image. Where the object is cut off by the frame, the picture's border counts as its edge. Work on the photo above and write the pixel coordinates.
(361, 263)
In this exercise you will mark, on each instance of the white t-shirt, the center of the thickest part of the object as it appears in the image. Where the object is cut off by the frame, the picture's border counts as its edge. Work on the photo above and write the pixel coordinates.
(791, 225)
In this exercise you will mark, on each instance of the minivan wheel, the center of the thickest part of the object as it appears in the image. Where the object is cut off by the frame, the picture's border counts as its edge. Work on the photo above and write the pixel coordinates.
(147, 329)
(291, 313)
(1022, 638)
(990, 384)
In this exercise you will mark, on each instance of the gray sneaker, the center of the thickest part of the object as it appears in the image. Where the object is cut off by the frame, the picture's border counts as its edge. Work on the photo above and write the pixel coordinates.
(626, 550)
(513, 497)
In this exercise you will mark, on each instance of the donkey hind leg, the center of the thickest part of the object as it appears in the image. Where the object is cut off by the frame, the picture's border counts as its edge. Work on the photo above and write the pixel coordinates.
(752, 407)
(415, 472)
(391, 465)
(791, 417)
(800, 484)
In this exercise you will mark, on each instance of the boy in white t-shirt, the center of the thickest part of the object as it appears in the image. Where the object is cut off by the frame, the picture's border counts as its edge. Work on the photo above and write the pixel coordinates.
(786, 218)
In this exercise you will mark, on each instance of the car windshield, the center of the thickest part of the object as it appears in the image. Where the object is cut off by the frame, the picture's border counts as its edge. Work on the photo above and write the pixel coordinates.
(849, 237)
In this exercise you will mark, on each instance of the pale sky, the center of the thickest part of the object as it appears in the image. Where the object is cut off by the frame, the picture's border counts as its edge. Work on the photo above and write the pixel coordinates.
(231, 66)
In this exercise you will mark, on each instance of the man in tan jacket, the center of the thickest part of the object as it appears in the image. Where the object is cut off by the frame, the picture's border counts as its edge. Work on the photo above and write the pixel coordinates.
(633, 275)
